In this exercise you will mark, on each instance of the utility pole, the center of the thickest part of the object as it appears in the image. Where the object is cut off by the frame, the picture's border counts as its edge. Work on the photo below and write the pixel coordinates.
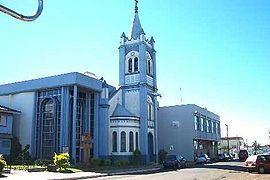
(227, 137)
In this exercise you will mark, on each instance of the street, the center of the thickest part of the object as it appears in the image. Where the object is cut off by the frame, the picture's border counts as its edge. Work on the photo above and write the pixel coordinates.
(215, 171)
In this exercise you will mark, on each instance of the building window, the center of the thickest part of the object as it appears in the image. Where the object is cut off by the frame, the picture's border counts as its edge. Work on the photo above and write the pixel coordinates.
(6, 144)
(123, 141)
(136, 64)
(195, 123)
(137, 140)
(114, 141)
(207, 126)
(202, 124)
(131, 142)
(3, 120)
(47, 130)
(130, 65)
(198, 123)
(210, 126)
(150, 109)
(218, 128)
(214, 128)
(149, 67)
(79, 121)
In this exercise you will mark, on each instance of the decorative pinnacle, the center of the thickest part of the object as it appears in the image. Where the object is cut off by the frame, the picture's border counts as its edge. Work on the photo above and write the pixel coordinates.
(136, 6)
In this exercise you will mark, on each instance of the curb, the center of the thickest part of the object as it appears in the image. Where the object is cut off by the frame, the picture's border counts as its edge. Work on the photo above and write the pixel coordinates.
(111, 174)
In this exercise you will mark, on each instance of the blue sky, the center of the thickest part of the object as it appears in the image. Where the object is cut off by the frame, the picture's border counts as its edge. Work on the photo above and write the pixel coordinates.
(217, 52)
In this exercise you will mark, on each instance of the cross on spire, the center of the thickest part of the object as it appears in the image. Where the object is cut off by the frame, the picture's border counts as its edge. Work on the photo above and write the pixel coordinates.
(136, 6)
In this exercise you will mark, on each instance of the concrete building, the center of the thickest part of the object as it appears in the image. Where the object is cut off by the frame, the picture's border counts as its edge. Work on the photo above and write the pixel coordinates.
(6, 127)
(188, 130)
(235, 144)
(51, 122)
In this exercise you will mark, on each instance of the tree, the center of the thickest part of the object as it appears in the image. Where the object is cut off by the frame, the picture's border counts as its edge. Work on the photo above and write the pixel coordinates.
(256, 146)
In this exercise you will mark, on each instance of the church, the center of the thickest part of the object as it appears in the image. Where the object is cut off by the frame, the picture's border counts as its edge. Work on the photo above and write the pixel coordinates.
(56, 112)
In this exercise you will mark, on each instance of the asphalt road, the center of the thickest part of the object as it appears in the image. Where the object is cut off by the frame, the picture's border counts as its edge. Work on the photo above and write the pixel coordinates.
(215, 171)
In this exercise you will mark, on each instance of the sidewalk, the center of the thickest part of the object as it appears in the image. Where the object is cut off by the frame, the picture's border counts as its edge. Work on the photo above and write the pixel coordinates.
(79, 175)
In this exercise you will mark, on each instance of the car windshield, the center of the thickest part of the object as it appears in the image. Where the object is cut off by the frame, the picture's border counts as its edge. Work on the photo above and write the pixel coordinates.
(170, 157)
(251, 159)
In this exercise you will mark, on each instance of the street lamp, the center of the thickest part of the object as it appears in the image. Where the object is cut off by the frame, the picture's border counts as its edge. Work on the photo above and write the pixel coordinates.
(227, 138)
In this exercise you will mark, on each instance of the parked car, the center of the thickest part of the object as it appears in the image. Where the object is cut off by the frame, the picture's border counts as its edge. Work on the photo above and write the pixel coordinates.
(174, 161)
(203, 158)
(223, 157)
(243, 154)
(260, 163)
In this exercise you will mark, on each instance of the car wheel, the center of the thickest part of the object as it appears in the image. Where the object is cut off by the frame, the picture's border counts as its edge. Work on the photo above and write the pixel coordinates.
(178, 166)
(261, 170)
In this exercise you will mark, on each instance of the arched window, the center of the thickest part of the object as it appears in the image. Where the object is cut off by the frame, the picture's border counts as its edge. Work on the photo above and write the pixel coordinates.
(136, 64)
(130, 65)
(150, 109)
(131, 142)
(47, 129)
(114, 142)
(149, 66)
(123, 141)
(137, 140)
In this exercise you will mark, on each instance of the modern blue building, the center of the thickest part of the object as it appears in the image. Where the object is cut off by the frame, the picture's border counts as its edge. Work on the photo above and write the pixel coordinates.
(57, 111)
(6, 124)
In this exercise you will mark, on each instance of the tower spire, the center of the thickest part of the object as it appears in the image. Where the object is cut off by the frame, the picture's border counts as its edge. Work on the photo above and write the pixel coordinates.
(136, 6)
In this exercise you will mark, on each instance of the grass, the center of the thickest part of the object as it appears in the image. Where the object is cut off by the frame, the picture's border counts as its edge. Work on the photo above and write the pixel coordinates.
(23, 167)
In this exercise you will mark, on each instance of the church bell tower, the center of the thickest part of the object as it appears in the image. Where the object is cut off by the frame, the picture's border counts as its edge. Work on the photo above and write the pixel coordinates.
(137, 79)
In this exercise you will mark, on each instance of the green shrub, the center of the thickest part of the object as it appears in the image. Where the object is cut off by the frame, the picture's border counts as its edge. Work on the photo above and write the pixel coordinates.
(2, 164)
(95, 162)
(162, 155)
(43, 162)
(61, 161)
(137, 157)
(121, 163)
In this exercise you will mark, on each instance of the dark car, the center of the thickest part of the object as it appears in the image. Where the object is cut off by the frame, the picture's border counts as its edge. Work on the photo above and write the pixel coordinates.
(223, 157)
(260, 163)
(174, 161)
(243, 154)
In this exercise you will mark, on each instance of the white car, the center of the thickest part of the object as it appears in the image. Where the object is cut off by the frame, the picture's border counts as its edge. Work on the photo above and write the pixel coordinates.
(203, 159)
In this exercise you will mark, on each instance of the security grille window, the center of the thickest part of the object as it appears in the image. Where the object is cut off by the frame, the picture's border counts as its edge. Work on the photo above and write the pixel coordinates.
(123, 141)
(131, 142)
(114, 141)
(3, 120)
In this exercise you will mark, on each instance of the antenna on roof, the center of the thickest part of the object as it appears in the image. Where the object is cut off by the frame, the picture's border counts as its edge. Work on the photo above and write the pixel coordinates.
(181, 98)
